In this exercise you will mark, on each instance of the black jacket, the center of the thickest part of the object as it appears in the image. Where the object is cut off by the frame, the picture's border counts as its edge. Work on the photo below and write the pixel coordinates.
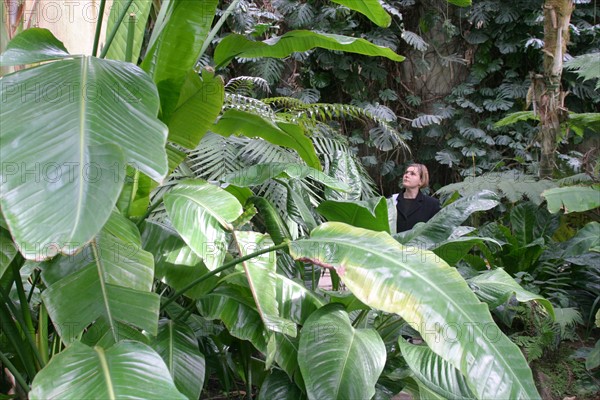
(425, 207)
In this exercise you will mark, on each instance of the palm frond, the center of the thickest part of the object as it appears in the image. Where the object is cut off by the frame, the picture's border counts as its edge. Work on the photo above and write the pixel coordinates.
(214, 157)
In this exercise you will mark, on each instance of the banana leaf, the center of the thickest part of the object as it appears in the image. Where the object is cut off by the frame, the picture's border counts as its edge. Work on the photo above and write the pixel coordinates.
(295, 41)
(431, 296)
(125, 370)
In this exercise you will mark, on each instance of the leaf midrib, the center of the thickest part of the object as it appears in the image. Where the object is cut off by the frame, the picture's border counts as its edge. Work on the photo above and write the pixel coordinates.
(82, 145)
(106, 372)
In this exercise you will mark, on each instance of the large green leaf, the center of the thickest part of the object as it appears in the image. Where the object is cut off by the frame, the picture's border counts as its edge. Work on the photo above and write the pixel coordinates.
(199, 105)
(32, 46)
(234, 306)
(336, 360)
(258, 174)
(135, 195)
(283, 134)
(178, 347)
(295, 41)
(261, 275)
(177, 37)
(496, 287)
(175, 262)
(296, 303)
(8, 251)
(118, 47)
(202, 214)
(431, 296)
(442, 225)
(278, 386)
(273, 223)
(572, 198)
(584, 240)
(460, 3)
(68, 129)
(455, 249)
(112, 278)
(126, 370)
(434, 372)
(369, 214)
(372, 9)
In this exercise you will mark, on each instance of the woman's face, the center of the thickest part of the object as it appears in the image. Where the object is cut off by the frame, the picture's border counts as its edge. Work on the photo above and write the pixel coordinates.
(412, 178)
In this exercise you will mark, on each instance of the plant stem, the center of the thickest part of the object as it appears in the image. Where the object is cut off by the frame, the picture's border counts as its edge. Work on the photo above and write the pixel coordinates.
(216, 28)
(113, 32)
(129, 47)
(42, 335)
(25, 318)
(14, 372)
(36, 278)
(13, 335)
(98, 27)
(221, 269)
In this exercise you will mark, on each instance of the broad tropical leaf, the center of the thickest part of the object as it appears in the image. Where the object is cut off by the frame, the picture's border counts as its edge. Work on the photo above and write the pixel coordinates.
(8, 251)
(281, 133)
(180, 30)
(336, 360)
(111, 278)
(199, 105)
(258, 174)
(118, 47)
(442, 225)
(278, 386)
(585, 240)
(434, 372)
(178, 347)
(369, 214)
(202, 214)
(175, 262)
(125, 370)
(372, 9)
(453, 250)
(32, 46)
(295, 41)
(460, 3)
(273, 223)
(431, 296)
(65, 146)
(572, 198)
(234, 305)
(261, 275)
(496, 287)
(135, 195)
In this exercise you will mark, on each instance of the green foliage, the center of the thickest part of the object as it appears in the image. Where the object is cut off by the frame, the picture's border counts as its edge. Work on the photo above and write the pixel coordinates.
(196, 281)
(585, 66)
(513, 185)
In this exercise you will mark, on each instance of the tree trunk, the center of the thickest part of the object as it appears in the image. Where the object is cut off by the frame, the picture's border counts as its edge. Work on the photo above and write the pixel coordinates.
(548, 97)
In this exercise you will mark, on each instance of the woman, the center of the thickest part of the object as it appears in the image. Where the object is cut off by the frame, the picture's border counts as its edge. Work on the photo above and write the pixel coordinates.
(412, 206)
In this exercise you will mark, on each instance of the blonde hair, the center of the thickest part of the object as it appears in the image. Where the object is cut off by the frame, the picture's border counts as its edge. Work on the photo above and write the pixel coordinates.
(423, 174)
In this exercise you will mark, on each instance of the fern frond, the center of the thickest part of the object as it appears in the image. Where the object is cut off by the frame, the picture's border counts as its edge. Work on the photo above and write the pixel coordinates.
(245, 85)
(414, 40)
(512, 185)
(245, 103)
(586, 66)
(269, 69)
